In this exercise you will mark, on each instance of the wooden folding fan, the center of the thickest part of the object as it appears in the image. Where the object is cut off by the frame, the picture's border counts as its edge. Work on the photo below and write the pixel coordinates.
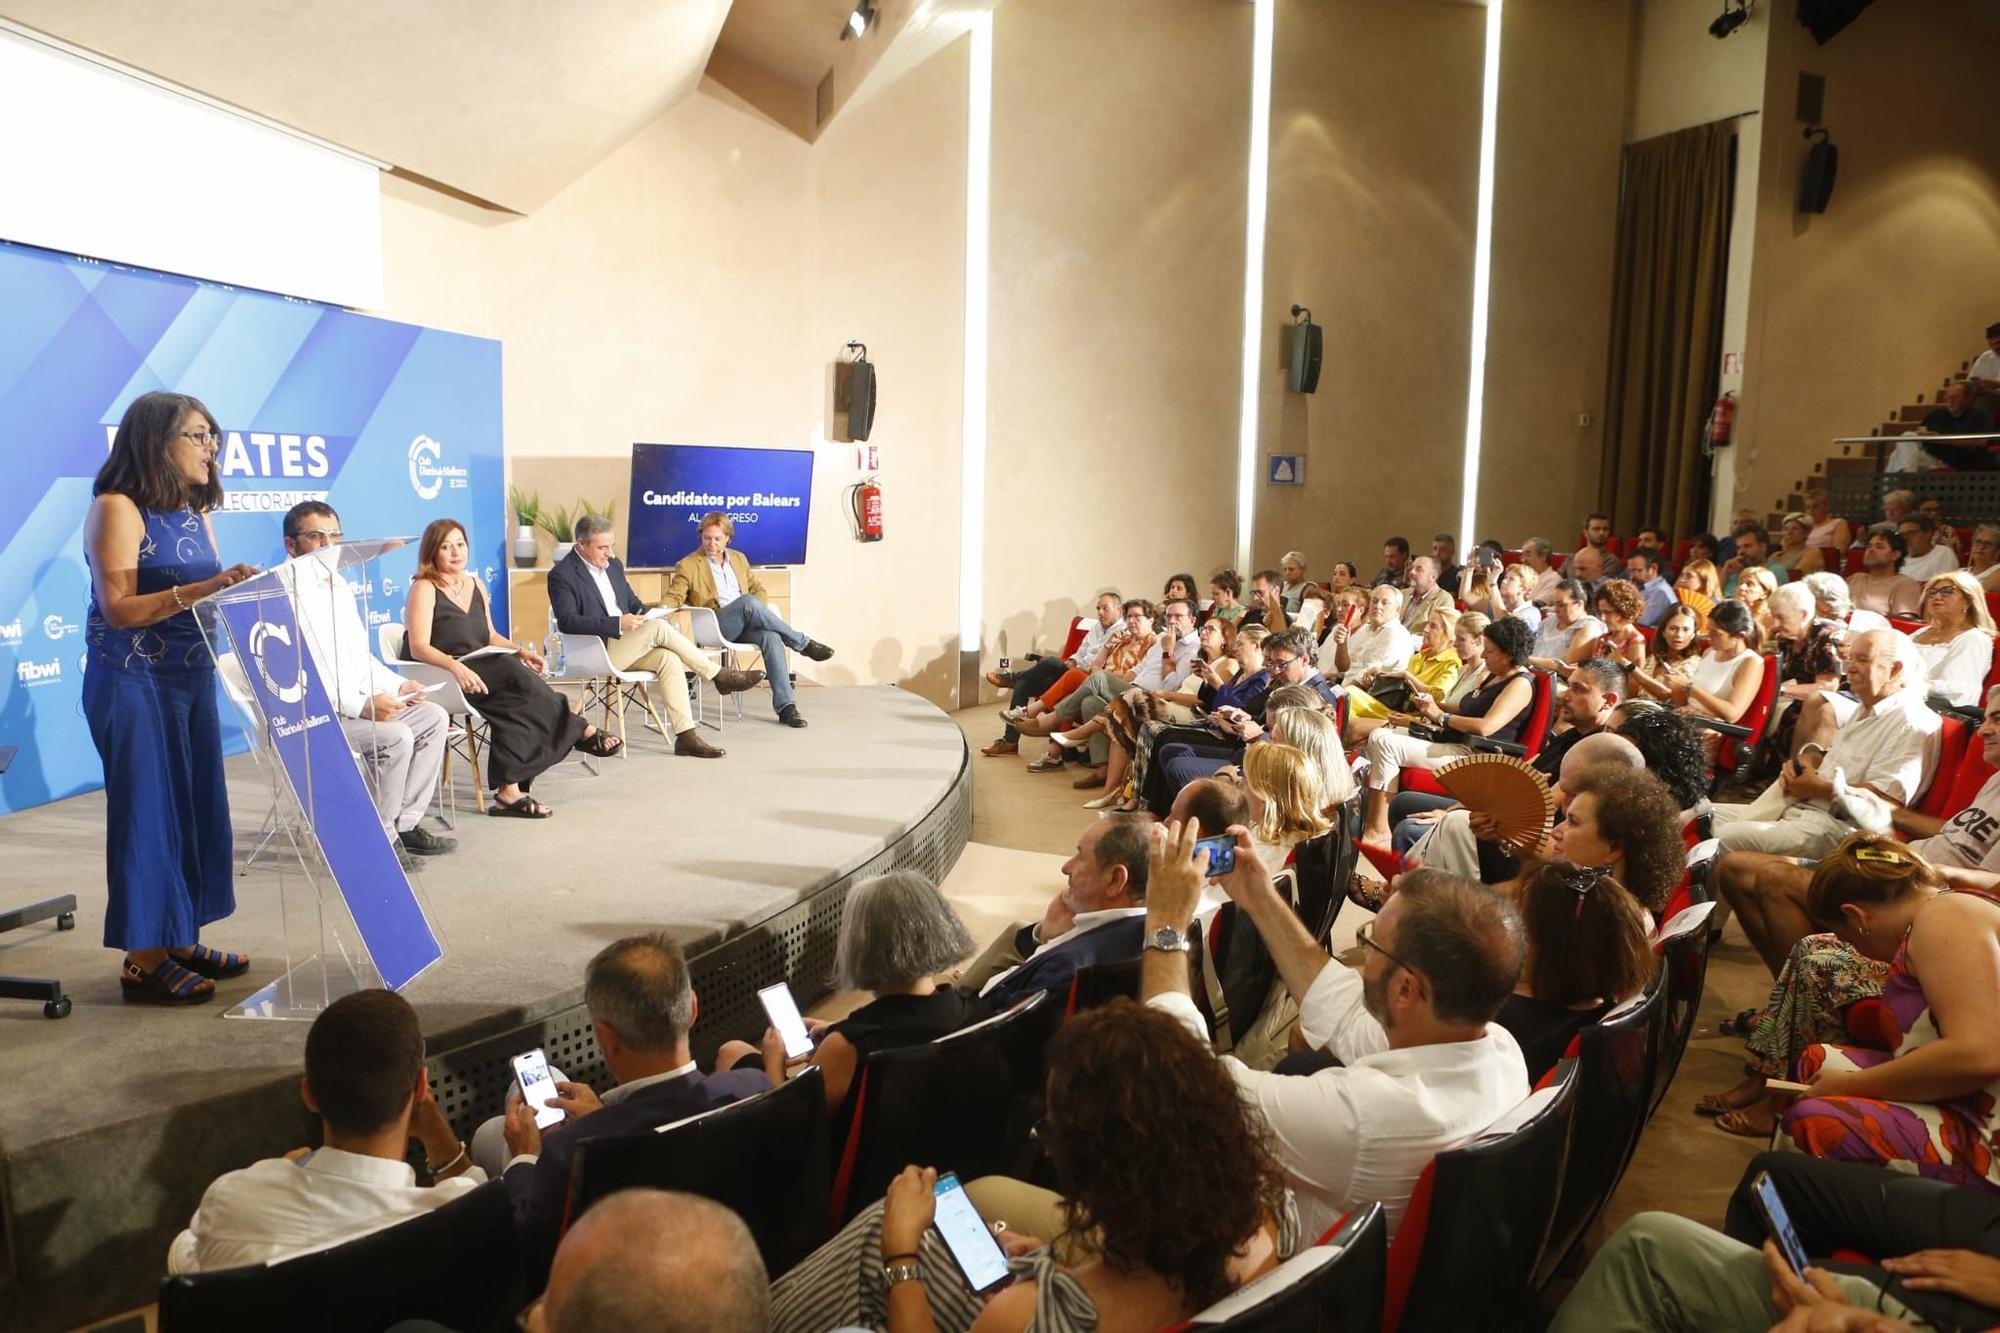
(1507, 791)
(1700, 601)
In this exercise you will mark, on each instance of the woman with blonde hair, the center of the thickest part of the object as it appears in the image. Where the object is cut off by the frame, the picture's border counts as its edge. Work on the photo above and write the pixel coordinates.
(1317, 736)
(1956, 642)
(1287, 799)
(1754, 587)
(1431, 670)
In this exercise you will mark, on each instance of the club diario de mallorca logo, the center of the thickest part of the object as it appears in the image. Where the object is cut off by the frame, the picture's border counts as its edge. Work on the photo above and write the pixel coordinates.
(430, 475)
(261, 635)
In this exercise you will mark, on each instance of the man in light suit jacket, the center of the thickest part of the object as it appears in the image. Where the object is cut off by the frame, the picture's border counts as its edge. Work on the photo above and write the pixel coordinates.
(590, 595)
(641, 1005)
(719, 578)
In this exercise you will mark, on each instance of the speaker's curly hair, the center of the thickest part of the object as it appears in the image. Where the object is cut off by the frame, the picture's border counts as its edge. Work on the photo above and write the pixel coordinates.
(1154, 1149)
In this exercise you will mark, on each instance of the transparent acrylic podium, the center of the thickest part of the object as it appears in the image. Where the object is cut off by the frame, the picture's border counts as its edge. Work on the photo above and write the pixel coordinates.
(287, 644)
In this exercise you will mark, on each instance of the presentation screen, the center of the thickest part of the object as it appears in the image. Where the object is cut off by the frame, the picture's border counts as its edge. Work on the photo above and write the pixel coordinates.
(391, 424)
(768, 492)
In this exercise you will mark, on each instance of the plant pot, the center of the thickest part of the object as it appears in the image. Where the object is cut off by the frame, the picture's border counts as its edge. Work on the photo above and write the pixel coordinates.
(526, 551)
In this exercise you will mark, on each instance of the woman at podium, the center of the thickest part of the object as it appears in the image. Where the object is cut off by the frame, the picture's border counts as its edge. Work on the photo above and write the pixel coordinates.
(446, 624)
(149, 697)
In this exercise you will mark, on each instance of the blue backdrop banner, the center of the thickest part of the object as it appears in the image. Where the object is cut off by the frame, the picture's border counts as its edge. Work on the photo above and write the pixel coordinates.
(391, 424)
(768, 492)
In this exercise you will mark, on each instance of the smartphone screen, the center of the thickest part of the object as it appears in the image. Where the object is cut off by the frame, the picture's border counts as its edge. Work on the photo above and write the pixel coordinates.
(1221, 854)
(967, 1236)
(538, 1086)
(784, 1014)
(1778, 1222)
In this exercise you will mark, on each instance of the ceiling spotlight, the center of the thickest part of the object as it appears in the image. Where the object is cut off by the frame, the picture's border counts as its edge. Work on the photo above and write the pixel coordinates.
(857, 22)
(1730, 19)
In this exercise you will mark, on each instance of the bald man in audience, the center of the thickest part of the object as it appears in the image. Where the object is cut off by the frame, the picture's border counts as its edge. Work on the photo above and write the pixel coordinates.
(1462, 841)
(1426, 594)
(656, 1260)
(1769, 892)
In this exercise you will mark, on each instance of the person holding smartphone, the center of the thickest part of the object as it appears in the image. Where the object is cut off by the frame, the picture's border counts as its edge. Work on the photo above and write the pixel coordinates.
(1666, 1272)
(1177, 1217)
(897, 933)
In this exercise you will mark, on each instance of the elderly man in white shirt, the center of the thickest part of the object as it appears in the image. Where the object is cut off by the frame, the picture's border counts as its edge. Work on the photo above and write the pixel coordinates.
(397, 735)
(364, 1053)
(1380, 642)
(1424, 1068)
(1164, 667)
(1886, 747)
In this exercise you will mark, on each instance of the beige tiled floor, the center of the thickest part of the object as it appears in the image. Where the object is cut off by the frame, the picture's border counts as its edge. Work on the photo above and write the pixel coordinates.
(1024, 823)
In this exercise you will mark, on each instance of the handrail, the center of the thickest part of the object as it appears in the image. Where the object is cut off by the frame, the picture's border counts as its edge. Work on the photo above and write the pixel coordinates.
(1912, 434)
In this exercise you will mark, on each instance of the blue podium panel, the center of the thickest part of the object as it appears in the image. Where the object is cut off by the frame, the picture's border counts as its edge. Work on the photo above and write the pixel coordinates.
(304, 736)
(392, 424)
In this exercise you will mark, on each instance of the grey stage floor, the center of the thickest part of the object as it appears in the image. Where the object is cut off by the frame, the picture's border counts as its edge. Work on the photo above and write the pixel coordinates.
(699, 847)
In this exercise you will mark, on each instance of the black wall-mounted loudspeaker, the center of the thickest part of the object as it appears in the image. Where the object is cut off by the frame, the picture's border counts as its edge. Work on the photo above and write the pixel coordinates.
(1816, 176)
(1308, 342)
(1824, 19)
(854, 390)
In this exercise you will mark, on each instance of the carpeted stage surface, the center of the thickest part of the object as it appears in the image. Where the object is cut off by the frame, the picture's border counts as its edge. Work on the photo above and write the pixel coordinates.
(102, 1112)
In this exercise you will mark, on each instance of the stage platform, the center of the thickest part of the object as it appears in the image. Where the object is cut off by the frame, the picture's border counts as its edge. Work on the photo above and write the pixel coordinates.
(113, 1120)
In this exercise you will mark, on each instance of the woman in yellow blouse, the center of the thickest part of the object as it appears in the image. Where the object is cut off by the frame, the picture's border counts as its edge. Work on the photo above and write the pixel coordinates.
(1431, 669)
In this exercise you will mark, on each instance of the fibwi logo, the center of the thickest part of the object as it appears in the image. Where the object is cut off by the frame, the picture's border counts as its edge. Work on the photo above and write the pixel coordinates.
(10, 633)
(55, 627)
(429, 474)
(37, 673)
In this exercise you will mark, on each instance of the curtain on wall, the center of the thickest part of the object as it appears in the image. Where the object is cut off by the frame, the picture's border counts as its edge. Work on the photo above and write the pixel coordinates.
(1666, 327)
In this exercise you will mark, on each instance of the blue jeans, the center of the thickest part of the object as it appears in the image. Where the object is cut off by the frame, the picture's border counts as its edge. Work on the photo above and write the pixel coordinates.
(747, 620)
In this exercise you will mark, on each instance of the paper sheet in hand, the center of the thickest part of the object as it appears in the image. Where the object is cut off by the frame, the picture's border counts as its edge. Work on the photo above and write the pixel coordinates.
(489, 651)
(661, 612)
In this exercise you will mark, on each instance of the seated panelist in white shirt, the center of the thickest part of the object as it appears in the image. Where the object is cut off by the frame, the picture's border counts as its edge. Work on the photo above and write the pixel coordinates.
(589, 594)
(1421, 1065)
(397, 734)
(365, 1079)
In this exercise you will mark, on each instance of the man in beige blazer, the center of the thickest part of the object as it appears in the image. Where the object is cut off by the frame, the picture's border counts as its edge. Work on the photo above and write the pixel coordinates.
(721, 579)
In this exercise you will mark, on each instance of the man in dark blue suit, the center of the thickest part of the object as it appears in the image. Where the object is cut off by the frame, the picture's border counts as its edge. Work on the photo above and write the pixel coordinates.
(589, 594)
(641, 1007)
(1096, 918)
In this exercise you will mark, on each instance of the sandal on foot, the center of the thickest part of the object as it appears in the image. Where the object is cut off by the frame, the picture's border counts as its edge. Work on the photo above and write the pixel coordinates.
(525, 808)
(1717, 1104)
(599, 743)
(168, 983)
(1742, 1126)
(213, 963)
(1741, 1025)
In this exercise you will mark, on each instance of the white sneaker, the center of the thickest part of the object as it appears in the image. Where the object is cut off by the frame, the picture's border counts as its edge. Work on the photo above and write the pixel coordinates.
(1104, 802)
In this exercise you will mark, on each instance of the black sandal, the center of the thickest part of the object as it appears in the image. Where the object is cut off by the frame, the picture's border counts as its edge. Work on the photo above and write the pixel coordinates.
(600, 743)
(169, 983)
(525, 808)
(213, 963)
(1741, 1025)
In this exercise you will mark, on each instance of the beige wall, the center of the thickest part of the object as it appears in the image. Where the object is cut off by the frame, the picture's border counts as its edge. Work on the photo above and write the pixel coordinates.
(1682, 77)
(1374, 187)
(1120, 129)
(1555, 207)
(1857, 310)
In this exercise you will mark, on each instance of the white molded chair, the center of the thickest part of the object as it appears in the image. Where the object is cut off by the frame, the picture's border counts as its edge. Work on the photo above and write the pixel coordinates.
(463, 738)
(586, 664)
(706, 632)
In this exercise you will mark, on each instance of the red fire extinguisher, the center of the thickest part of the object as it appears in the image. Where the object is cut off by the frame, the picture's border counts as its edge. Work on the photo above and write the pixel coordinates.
(868, 510)
(1722, 419)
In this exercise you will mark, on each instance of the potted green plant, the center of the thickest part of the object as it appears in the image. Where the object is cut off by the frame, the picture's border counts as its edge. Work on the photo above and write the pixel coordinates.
(560, 522)
(527, 517)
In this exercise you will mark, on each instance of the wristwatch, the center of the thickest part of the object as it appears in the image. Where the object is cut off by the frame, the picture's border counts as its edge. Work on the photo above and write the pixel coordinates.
(903, 1270)
(1167, 940)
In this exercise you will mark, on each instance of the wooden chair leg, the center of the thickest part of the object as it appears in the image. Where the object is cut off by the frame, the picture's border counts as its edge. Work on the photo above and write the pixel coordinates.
(472, 761)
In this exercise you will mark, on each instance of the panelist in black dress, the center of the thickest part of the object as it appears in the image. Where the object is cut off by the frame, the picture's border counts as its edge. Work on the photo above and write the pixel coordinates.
(532, 726)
